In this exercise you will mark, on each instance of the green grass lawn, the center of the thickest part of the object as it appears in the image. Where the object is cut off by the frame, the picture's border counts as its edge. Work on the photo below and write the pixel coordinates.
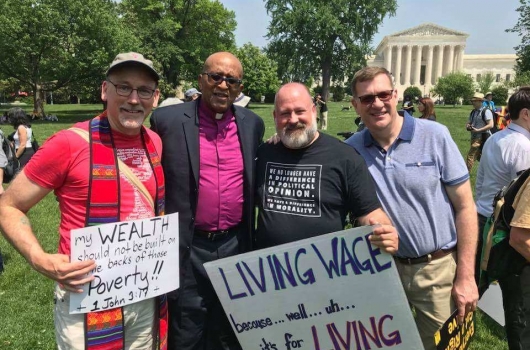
(26, 301)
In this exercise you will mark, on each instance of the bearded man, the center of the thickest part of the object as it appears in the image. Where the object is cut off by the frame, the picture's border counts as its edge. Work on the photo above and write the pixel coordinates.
(308, 182)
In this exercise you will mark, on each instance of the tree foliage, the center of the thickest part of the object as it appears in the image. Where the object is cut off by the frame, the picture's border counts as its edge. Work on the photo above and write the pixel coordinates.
(413, 91)
(49, 44)
(312, 38)
(486, 82)
(522, 28)
(500, 95)
(521, 79)
(180, 34)
(454, 86)
(260, 72)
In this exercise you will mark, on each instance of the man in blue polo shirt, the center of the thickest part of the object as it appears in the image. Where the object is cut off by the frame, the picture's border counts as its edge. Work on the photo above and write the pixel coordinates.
(424, 187)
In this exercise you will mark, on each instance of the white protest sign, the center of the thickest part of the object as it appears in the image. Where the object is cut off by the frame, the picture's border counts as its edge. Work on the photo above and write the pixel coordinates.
(491, 303)
(334, 291)
(136, 260)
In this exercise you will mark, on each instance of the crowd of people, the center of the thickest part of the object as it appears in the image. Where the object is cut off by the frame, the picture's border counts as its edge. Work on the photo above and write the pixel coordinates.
(205, 159)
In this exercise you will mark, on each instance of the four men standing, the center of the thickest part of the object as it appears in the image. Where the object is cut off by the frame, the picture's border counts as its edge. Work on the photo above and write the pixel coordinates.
(209, 153)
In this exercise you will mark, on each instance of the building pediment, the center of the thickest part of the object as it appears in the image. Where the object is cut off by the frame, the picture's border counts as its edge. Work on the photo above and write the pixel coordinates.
(428, 29)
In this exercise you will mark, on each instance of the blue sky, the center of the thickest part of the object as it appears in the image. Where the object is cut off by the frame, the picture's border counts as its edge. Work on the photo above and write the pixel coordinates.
(484, 20)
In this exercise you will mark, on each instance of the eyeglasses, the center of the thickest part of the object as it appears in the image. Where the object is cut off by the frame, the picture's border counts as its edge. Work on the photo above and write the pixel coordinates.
(382, 96)
(125, 91)
(214, 78)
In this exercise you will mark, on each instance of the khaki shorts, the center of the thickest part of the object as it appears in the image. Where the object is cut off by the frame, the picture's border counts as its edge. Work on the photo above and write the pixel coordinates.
(138, 324)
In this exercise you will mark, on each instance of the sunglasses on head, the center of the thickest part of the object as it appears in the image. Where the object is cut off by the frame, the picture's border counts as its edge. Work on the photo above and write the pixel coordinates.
(382, 96)
(218, 79)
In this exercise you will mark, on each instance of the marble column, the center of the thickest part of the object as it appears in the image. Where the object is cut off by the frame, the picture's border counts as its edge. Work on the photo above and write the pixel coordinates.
(460, 62)
(397, 73)
(450, 59)
(439, 62)
(417, 66)
(388, 58)
(428, 67)
(408, 64)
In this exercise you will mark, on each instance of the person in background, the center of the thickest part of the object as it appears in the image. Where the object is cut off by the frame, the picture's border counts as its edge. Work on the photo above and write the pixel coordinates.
(488, 101)
(191, 95)
(323, 106)
(505, 156)
(242, 100)
(170, 101)
(22, 136)
(520, 241)
(408, 104)
(479, 123)
(3, 163)
(426, 108)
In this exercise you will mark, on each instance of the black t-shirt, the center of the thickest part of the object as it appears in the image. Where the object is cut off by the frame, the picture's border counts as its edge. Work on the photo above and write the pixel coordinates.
(308, 192)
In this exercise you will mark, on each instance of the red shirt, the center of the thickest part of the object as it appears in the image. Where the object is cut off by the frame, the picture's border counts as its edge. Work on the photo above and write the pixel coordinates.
(63, 164)
(220, 203)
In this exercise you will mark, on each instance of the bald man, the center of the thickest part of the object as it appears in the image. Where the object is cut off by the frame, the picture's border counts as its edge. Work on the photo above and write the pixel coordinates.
(327, 177)
(210, 147)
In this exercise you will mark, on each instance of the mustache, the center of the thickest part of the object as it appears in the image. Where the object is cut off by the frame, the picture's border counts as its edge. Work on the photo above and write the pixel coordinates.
(295, 126)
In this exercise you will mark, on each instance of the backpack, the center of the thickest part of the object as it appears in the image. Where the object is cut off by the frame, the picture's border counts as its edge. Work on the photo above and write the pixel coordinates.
(499, 259)
(495, 118)
(13, 164)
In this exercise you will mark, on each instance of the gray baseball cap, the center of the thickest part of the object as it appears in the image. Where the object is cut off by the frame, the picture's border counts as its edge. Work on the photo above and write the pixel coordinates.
(191, 92)
(133, 57)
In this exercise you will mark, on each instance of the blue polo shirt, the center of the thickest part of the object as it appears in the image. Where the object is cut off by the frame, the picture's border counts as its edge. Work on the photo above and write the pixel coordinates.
(410, 181)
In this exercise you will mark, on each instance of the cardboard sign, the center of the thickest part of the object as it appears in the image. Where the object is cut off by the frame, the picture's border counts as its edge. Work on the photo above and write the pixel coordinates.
(136, 260)
(453, 336)
(335, 291)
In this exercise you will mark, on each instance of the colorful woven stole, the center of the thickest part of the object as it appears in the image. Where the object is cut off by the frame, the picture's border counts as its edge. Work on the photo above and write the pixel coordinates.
(104, 329)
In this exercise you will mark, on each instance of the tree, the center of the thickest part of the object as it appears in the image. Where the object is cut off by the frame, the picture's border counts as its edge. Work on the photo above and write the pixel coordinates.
(55, 43)
(521, 79)
(522, 28)
(454, 86)
(485, 83)
(260, 72)
(339, 92)
(180, 34)
(330, 39)
(412, 91)
(500, 95)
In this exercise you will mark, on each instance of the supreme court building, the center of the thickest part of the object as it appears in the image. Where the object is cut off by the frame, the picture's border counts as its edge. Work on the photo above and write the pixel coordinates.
(420, 55)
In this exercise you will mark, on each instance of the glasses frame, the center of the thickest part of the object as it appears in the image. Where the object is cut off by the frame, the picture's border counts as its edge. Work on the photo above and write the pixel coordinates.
(228, 80)
(118, 86)
(371, 98)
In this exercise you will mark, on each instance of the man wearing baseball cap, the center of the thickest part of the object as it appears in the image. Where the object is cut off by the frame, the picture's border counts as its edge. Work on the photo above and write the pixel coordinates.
(103, 170)
(479, 123)
(191, 95)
